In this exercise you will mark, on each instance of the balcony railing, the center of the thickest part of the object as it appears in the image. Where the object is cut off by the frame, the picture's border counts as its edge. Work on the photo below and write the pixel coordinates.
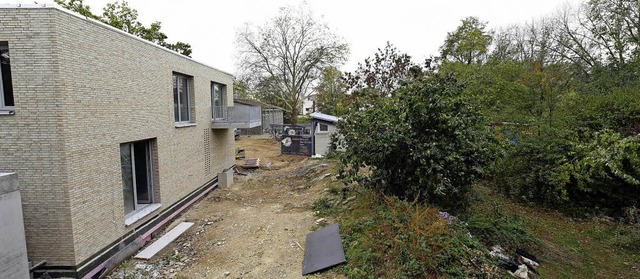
(239, 116)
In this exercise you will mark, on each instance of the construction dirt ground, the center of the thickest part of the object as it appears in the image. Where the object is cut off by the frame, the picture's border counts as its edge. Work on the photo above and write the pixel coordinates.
(255, 228)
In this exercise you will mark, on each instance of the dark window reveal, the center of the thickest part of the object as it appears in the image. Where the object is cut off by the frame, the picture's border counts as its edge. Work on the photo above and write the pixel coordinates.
(6, 88)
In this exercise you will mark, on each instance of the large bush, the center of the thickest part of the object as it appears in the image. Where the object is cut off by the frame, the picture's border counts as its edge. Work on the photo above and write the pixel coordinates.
(423, 142)
(599, 171)
(533, 170)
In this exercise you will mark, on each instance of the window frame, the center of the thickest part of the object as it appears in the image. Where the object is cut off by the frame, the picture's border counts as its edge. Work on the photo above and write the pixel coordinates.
(177, 102)
(222, 107)
(320, 128)
(142, 206)
(5, 109)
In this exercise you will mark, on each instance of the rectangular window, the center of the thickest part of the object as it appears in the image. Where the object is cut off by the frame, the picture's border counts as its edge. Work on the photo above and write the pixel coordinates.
(136, 159)
(182, 97)
(218, 95)
(6, 87)
(323, 127)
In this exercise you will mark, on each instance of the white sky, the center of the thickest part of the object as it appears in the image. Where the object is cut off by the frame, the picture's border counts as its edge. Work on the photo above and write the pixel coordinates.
(417, 27)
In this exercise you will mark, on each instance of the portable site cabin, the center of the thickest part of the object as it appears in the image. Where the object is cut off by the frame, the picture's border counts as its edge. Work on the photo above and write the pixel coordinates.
(322, 127)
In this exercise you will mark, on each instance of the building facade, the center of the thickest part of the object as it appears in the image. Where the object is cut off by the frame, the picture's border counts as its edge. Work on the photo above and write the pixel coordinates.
(110, 135)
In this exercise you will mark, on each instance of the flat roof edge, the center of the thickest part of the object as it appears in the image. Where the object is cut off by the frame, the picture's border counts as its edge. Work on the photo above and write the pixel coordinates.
(55, 6)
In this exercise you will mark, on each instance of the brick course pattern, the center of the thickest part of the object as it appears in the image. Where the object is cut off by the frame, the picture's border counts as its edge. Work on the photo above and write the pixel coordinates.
(82, 88)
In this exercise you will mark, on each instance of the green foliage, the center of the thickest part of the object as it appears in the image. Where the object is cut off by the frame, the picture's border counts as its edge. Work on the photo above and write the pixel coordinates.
(533, 169)
(574, 86)
(179, 47)
(383, 73)
(385, 237)
(601, 171)
(618, 110)
(324, 207)
(79, 7)
(469, 43)
(607, 170)
(618, 235)
(493, 225)
(121, 16)
(424, 142)
(334, 189)
(241, 90)
(495, 87)
(305, 119)
(330, 96)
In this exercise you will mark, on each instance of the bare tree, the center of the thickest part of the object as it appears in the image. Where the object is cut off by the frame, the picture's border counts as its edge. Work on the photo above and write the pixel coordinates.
(286, 55)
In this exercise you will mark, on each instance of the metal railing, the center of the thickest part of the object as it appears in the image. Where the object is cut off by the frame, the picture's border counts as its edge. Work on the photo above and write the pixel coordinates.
(239, 117)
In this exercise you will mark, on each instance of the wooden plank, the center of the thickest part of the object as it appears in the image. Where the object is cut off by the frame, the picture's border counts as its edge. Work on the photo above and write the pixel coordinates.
(162, 242)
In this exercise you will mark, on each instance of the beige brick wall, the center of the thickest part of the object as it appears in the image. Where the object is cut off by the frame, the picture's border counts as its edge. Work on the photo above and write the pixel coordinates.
(111, 88)
(31, 141)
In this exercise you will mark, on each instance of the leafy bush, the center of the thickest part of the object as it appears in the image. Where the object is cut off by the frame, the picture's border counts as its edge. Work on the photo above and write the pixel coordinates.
(533, 170)
(607, 171)
(385, 237)
(423, 142)
(601, 171)
(618, 111)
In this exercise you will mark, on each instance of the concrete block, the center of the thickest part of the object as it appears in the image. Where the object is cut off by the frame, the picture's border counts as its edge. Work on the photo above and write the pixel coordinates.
(225, 178)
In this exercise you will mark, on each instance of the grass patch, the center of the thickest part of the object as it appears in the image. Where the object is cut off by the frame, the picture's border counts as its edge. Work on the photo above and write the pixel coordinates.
(324, 207)
(384, 237)
(334, 189)
(388, 238)
(492, 225)
(573, 247)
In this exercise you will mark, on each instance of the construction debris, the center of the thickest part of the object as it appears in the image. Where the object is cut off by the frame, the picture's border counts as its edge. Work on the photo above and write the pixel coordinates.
(250, 163)
(323, 250)
(521, 266)
(240, 153)
(162, 242)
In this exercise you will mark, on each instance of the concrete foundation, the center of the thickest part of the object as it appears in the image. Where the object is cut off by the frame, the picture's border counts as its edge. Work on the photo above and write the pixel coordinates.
(13, 246)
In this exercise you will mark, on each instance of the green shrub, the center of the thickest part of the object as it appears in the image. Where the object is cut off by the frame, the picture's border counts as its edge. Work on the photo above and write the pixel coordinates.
(601, 171)
(607, 171)
(423, 142)
(533, 170)
(616, 109)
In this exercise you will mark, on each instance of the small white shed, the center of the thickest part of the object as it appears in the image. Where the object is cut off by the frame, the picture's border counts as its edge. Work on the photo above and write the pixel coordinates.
(322, 127)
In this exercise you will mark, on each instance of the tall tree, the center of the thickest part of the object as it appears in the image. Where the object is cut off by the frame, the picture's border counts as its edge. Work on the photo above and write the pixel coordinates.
(241, 90)
(331, 91)
(383, 73)
(125, 18)
(287, 55)
(469, 43)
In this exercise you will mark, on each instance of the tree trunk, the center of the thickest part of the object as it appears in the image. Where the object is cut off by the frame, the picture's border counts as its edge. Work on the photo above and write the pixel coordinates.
(293, 117)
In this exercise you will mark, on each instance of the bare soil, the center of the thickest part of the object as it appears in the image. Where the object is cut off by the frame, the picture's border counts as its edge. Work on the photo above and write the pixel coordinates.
(255, 228)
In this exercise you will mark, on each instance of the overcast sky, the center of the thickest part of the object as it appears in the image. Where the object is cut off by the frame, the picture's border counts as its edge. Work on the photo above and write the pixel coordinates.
(417, 27)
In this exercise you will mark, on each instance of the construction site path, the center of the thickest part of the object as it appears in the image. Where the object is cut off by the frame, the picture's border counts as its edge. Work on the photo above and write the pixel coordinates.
(255, 228)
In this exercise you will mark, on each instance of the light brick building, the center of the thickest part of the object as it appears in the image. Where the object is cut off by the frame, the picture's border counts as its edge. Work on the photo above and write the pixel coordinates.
(110, 135)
